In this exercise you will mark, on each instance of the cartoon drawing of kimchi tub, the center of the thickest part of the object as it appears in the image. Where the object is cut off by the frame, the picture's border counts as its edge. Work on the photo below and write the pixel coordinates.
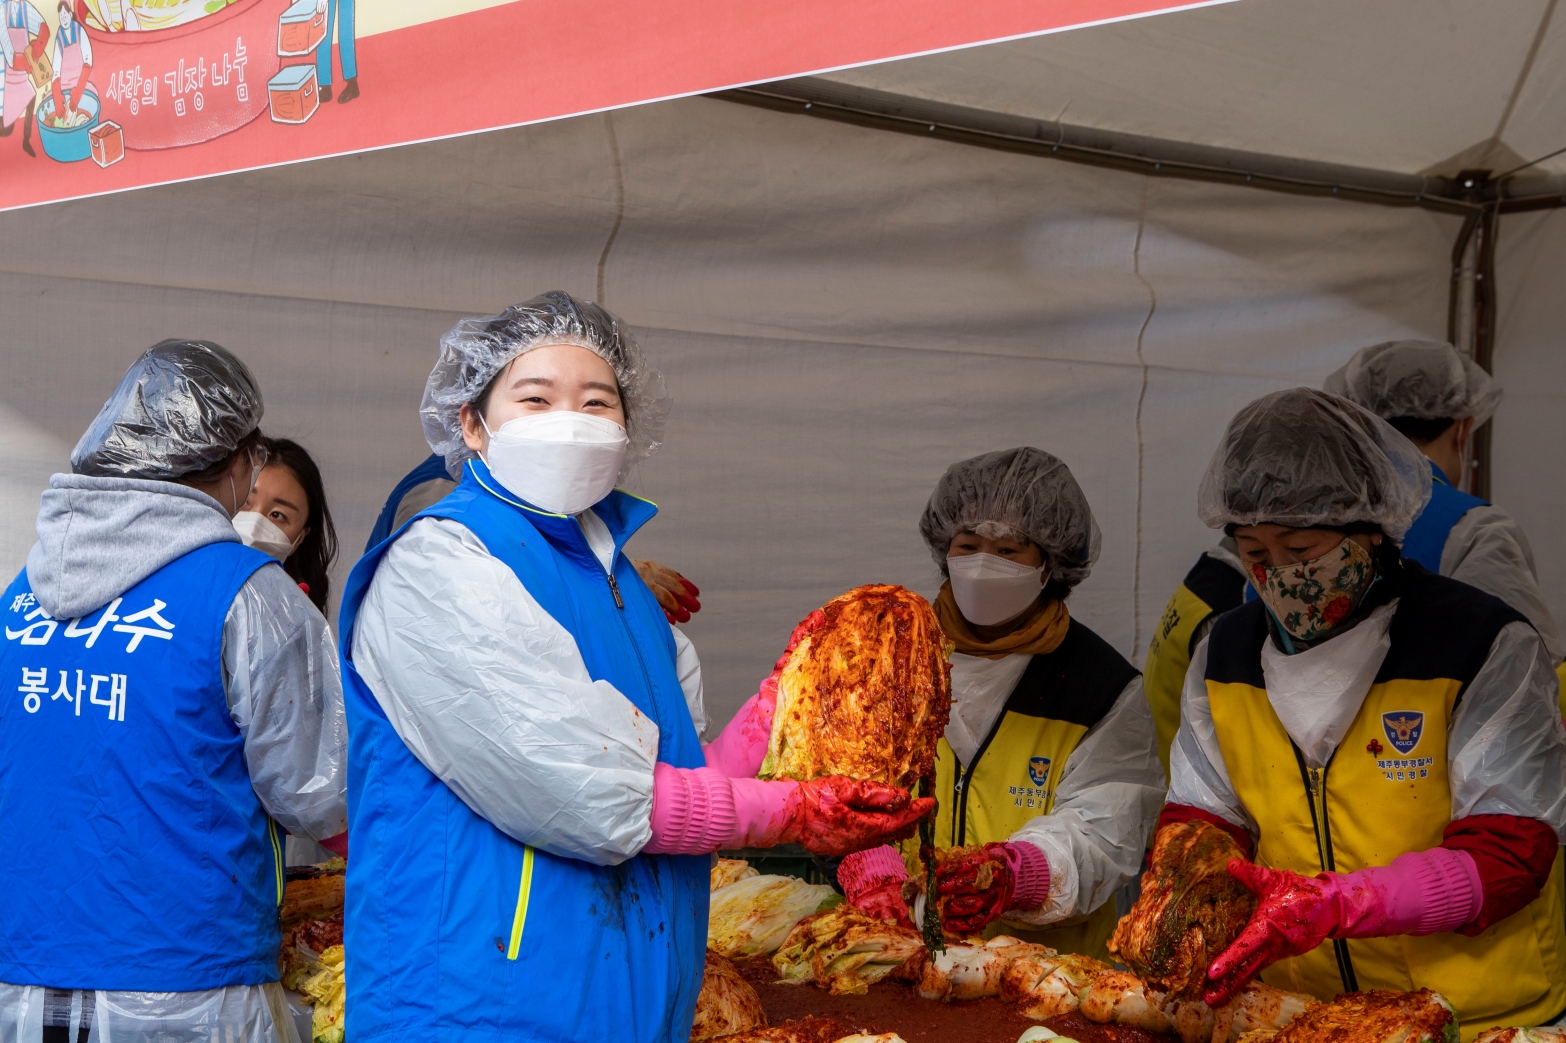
(180, 72)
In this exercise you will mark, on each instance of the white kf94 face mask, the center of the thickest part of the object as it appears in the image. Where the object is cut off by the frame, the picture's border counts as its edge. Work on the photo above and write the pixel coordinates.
(560, 461)
(989, 589)
(258, 531)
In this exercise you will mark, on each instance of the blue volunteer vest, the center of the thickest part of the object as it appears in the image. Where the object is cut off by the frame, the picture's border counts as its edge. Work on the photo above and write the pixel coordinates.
(1427, 536)
(455, 931)
(136, 853)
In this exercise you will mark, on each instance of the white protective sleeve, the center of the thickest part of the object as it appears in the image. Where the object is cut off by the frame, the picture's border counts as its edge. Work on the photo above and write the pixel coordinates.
(688, 665)
(1106, 804)
(490, 693)
(1507, 752)
(253, 1013)
(1488, 550)
(285, 695)
(1197, 775)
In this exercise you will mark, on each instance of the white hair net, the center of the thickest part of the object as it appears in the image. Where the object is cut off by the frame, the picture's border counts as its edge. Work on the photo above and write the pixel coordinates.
(474, 351)
(1308, 459)
(1022, 493)
(1423, 379)
(181, 407)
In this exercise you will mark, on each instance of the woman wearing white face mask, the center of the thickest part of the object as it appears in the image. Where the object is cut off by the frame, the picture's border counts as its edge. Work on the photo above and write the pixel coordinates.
(515, 693)
(287, 517)
(1050, 758)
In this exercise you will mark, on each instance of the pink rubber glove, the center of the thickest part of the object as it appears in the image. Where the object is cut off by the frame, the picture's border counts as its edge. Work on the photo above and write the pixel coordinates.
(740, 749)
(698, 811)
(872, 881)
(1421, 892)
(337, 845)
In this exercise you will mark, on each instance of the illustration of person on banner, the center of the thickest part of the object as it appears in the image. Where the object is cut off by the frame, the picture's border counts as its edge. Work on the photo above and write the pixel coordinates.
(27, 68)
(72, 69)
(339, 12)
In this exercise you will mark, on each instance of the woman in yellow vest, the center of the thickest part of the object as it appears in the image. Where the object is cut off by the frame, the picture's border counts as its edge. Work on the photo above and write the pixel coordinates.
(1049, 759)
(1385, 740)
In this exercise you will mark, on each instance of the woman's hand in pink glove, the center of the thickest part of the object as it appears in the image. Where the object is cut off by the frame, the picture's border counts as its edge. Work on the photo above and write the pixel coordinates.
(741, 747)
(1421, 892)
(1295, 914)
(836, 815)
(697, 811)
(872, 881)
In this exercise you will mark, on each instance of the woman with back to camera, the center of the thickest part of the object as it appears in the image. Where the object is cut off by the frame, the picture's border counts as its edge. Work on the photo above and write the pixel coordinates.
(287, 517)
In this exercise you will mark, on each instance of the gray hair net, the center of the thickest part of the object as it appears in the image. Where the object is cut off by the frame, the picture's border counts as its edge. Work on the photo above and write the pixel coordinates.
(1022, 493)
(1308, 459)
(1417, 378)
(474, 351)
(181, 407)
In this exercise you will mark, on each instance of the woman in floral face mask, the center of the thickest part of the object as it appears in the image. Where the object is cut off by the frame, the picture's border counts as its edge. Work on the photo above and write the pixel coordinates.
(1382, 742)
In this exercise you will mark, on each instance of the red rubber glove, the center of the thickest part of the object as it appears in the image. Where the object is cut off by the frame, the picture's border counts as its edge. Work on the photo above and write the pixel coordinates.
(1420, 893)
(836, 815)
(974, 889)
(872, 881)
(696, 811)
(337, 845)
(1296, 913)
(677, 596)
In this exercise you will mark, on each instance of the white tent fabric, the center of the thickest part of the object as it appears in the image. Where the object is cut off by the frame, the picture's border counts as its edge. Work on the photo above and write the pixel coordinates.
(840, 313)
(1411, 86)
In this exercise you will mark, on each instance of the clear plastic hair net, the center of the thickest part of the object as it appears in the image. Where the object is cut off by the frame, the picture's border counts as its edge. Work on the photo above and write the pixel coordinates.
(474, 351)
(1417, 378)
(1308, 459)
(1021, 493)
(183, 406)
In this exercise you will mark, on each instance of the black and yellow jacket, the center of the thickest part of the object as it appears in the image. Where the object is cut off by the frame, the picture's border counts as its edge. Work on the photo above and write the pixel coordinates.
(1388, 789)
(1214, 585)
(1043, 775)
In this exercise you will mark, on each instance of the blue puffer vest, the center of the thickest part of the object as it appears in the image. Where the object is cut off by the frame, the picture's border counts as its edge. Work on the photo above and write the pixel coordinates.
(455, 931)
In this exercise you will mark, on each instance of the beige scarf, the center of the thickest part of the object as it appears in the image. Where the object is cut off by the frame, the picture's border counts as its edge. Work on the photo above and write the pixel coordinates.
(1039, 633)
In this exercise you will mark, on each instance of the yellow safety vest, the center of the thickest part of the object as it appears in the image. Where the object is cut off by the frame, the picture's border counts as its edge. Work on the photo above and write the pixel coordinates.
(1212, 586)
(1013, 775)
(1386, 792)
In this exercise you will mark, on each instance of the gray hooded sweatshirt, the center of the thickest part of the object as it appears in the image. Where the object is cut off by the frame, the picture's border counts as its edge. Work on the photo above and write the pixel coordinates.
(98, 537)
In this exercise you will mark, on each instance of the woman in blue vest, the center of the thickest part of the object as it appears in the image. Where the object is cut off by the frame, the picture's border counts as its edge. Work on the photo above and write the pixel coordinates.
(1437, 398)
(512, 695)
(1383, 740)
(172, 707)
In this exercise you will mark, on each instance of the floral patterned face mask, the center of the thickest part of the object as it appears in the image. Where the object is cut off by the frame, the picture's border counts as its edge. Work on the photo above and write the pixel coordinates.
(1311, 598)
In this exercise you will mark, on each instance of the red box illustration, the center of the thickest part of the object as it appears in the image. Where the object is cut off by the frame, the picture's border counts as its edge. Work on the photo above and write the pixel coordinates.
(108, 143)
(293, 93)
(301, 28)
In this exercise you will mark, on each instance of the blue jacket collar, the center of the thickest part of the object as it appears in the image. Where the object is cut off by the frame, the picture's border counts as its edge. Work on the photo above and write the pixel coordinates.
(622, 512)
(1436, 473)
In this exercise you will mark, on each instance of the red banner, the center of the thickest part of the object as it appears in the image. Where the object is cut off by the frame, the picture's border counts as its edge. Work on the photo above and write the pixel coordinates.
(106, 95)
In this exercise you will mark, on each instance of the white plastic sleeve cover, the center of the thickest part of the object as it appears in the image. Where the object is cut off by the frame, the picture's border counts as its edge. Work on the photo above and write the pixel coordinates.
(1197, 776)
(1507, 750)
(254, 1013)
(1488, 550)
(285, 695)
(688, 665)
(490, 693)
(1106, 804)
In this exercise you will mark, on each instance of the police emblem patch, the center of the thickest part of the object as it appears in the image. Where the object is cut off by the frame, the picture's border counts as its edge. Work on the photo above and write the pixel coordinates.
(1038, 770)
(1403, 728)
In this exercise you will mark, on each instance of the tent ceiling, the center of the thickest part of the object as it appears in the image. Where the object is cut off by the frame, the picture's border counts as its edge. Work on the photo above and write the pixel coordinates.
(1411, 86)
